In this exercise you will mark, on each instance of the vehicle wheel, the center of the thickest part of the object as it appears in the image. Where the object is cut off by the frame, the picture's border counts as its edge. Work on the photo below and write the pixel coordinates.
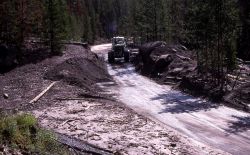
(126, 56)
(111, 58)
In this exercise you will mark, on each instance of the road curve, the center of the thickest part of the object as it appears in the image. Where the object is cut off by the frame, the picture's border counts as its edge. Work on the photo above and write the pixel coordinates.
(215, 125)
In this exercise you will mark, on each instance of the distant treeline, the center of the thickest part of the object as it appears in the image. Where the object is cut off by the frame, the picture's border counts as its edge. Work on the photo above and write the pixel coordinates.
(205, 25)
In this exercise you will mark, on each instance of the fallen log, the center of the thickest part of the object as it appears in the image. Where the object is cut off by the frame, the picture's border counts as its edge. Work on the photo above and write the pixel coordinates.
(239, 60)
(247, 62)
(96, 97)
(68, 99)
(65, 122)
(183, 58)
(173, 78)
(82, 99)
(233, 77)
(169, 83)
(85, 45)
(92, 96)
(81, 146)
(42, 93)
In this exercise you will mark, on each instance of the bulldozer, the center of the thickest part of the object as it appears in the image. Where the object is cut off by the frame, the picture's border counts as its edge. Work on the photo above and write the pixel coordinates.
(119, 50)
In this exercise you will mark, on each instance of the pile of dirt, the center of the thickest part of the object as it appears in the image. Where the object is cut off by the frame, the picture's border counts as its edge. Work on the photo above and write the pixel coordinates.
(164, 61)
(83, 72)
(176, 65)
(77, 66)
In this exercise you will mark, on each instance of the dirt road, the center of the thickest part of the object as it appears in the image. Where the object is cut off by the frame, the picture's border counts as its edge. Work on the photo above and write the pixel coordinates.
(203, 122)
(75, 108)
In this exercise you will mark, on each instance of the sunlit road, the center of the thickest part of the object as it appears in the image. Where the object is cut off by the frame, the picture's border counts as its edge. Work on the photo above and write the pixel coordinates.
(211, 124)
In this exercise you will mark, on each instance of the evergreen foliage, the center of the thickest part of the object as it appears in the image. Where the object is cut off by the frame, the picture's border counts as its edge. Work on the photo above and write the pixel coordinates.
(218, 30)
(55, 24)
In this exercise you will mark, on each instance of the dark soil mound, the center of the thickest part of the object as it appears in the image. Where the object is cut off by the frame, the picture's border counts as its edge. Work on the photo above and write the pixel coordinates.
(158, 59)
(77, 66)
(175, 64)
(83, 72)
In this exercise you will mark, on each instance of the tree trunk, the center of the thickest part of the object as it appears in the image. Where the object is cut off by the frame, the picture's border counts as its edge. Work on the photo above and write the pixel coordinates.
(51, 24)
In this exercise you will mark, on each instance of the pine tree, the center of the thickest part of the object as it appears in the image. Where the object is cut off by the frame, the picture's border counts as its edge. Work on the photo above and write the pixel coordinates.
(8, 22)
(88, 33)
(17, 23)
(148, 19)
(55, 24)
(244, 37)
(212, 31)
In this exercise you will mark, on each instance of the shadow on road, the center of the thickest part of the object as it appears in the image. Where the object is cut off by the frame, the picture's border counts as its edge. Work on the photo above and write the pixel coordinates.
(124, 72)
(122, 68)
(241, 124)
(177, 102)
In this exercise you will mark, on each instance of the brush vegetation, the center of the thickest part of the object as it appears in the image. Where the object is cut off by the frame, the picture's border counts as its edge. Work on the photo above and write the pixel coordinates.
(21, 132)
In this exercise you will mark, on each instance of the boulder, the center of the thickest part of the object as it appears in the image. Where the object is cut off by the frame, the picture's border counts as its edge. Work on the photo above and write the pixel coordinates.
(5, 96)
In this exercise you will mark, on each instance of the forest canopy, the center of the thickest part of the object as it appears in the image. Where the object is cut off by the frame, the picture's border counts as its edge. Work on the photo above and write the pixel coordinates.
(197, 24)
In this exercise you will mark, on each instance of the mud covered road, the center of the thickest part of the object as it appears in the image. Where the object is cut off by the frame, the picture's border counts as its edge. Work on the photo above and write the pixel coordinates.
(201, 121)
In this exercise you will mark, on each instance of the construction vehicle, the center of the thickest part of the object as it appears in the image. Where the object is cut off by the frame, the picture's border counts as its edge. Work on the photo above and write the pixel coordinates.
(119, 50)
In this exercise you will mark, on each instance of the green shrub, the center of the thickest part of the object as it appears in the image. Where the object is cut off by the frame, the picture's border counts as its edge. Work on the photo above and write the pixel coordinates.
(22, 132)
